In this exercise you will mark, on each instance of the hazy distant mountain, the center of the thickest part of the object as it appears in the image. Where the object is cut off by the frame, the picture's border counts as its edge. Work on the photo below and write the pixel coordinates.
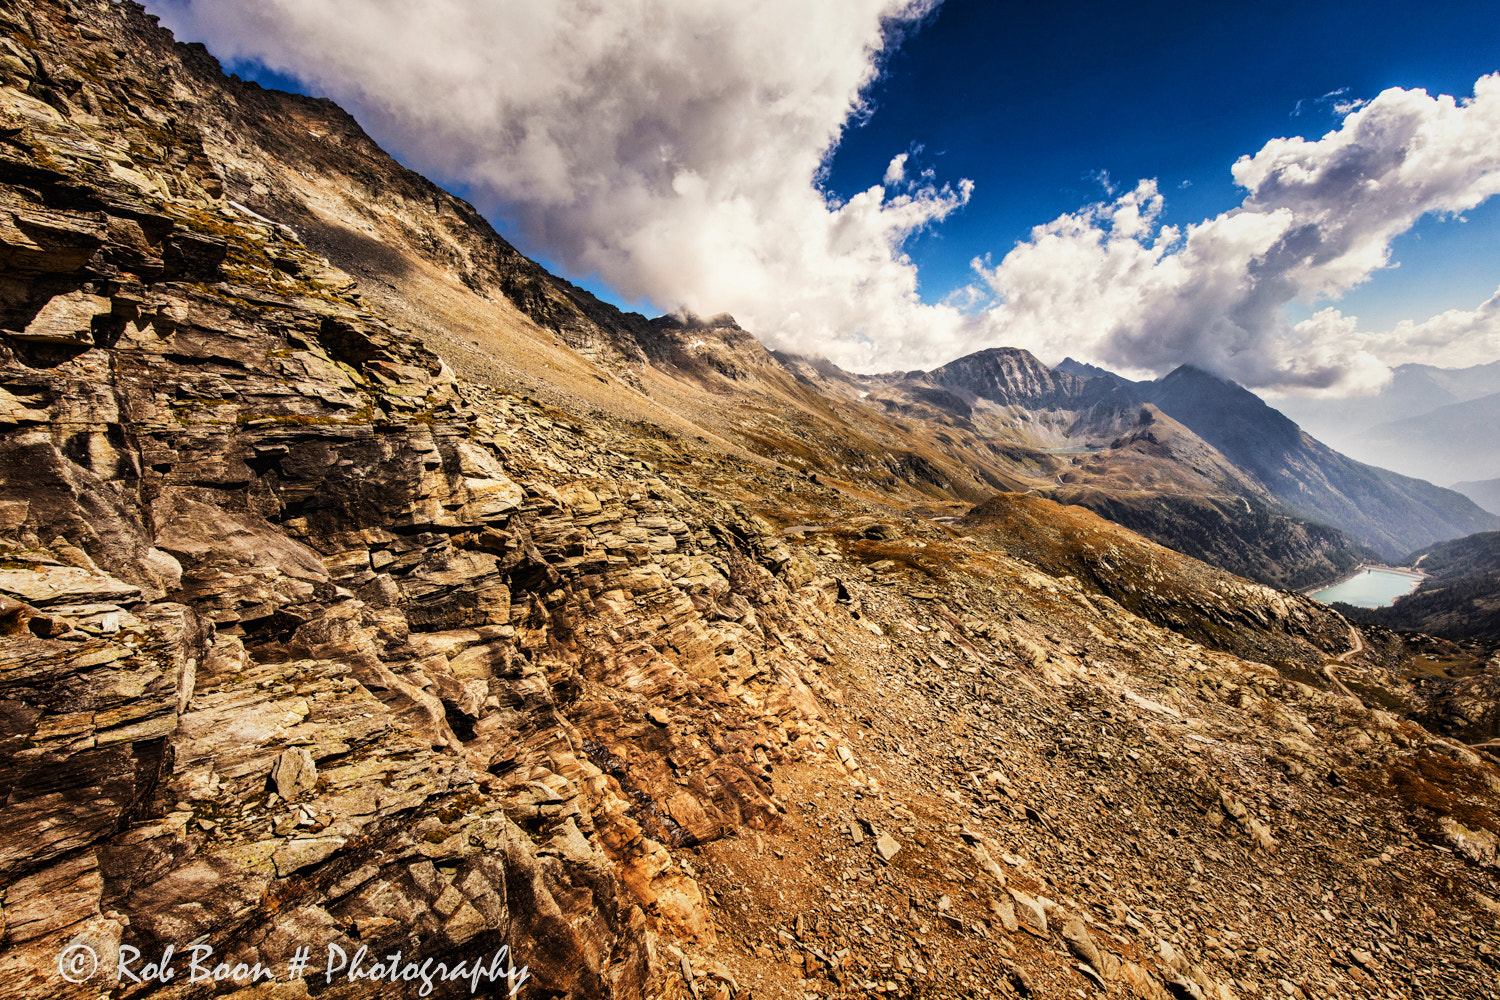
(1485, 492)
(1415, 390)
(1391, 513)
(1453, 442)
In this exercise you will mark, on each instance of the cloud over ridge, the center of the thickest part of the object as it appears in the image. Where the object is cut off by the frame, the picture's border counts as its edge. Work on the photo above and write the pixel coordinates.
(675, 148)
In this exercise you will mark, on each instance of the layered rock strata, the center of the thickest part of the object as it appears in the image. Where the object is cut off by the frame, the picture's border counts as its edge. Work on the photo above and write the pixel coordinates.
(307, 641)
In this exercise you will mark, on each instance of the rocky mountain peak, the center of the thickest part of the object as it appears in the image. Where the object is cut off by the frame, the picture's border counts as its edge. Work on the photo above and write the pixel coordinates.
(1005, 375)
(1072, 367)
(709, 349)
(685, 320)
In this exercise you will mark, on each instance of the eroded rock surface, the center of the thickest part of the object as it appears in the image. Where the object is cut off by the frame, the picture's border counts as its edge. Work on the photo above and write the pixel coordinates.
(306, 640)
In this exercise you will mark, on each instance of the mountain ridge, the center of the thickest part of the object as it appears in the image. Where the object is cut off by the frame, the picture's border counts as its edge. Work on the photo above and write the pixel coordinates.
(627, 364)
(1392, 513)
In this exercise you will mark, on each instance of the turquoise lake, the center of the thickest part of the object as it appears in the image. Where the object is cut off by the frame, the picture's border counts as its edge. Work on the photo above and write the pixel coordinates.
(1373, 588)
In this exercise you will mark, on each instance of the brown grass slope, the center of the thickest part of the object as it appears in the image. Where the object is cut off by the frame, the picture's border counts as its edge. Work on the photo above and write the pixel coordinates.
(1214, 608)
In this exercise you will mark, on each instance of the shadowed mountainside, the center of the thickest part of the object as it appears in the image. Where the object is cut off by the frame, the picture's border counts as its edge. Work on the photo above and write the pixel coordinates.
(1391, 513)
(1214, 608)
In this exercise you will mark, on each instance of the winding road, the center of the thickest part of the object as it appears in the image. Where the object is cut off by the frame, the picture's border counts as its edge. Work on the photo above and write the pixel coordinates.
(1359, 645)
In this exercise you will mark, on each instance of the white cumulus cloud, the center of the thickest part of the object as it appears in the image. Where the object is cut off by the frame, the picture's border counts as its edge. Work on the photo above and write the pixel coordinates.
(675, 148)
(1453, 339)
(1110, 281)
(895, 173)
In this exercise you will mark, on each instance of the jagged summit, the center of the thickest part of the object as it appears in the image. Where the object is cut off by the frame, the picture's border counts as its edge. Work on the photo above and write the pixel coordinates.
(1005, 375)
(686, 320)
(1073, 367)
(1010, 376)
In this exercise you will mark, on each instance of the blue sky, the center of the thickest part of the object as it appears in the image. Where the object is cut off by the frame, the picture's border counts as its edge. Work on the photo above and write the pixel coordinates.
(1034, 101)
(718, 156)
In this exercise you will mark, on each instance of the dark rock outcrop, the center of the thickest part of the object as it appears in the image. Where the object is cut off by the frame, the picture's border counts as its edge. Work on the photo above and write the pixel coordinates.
(305, 640)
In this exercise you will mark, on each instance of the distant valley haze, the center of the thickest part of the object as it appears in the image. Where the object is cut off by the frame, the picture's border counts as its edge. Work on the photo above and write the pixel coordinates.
(1439, 424)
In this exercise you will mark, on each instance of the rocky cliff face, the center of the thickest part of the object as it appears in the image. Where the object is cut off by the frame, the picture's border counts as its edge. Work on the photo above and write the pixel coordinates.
(312, 637)
(1009, 376)
(293, 618)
